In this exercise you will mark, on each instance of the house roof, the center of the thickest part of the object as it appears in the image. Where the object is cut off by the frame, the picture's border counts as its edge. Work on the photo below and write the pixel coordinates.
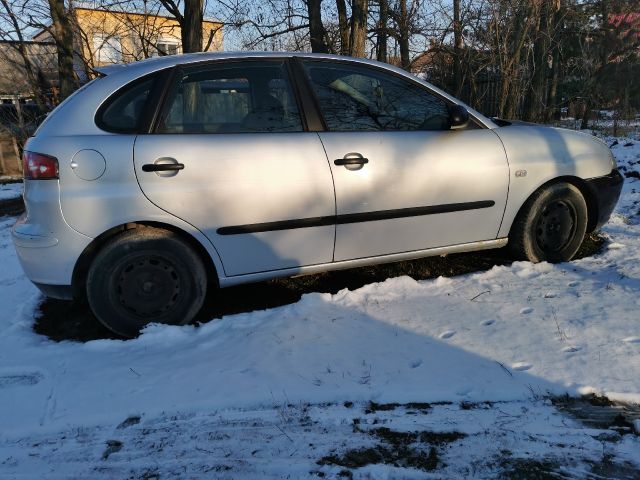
(26, 42)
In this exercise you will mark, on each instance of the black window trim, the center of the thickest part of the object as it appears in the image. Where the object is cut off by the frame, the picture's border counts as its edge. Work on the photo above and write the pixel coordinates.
(159, 94)
(180, 69)
(308, 99)
(302, 59)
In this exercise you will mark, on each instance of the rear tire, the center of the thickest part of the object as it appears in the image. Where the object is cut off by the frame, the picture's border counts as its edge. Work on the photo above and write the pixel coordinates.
(551, 225)
(145, 275)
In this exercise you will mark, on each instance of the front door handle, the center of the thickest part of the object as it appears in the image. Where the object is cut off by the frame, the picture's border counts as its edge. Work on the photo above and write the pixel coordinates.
(351, 161)
(162, 167)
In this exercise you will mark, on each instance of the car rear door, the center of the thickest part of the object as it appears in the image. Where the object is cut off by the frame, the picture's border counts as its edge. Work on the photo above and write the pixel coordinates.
(404, 180)
(230, 155)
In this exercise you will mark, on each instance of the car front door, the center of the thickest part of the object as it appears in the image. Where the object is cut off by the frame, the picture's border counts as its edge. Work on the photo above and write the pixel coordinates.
(404, 180)
(229, 155)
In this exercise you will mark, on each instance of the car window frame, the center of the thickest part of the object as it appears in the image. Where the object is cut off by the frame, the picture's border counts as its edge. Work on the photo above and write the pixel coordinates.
(158, 78)
(180, 70)
(301, 72)
(306, 100)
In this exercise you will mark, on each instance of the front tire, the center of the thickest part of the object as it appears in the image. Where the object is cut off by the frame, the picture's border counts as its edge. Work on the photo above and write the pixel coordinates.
(145, 275)
(551, 225)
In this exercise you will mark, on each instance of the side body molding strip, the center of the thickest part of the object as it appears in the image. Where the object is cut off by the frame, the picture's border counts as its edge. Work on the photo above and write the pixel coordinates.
(354, 218)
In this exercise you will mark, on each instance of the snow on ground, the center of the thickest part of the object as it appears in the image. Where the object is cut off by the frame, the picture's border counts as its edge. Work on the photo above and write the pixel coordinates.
(262, 394)
(10, 190)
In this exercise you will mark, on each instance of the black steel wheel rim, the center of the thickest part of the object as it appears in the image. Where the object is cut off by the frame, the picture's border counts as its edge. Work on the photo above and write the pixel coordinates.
(556, 226)
(148, 286)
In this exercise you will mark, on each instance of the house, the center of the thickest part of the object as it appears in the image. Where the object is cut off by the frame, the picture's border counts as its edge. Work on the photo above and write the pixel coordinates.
(14, 83)
(101, 38)
(104, 37)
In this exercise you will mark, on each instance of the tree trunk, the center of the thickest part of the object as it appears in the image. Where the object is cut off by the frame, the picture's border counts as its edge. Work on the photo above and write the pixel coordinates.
(191, 26)
(403, 36)
(316, 29)
(511, 89)
(359, 9)
(457, 48)
(552, 95)
(534, 97)
(381, 53)
(63, 36)
(544, 45)
(584, 124)
(343, 26)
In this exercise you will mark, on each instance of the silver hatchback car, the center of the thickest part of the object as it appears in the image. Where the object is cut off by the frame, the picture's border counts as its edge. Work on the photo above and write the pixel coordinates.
(168, 176)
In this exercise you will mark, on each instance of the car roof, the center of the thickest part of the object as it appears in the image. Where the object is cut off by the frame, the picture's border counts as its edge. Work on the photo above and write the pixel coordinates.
(158, 63)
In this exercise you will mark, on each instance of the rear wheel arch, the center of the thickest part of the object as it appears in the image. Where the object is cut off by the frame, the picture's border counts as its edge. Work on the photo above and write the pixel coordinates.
(83, 263)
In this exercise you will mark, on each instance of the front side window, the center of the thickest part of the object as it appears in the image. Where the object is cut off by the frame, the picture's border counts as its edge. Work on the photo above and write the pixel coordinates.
(355, 98)
(233, 98)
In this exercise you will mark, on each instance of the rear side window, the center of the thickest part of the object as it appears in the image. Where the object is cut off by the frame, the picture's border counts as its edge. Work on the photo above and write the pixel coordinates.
(122, 113)
(231, 98)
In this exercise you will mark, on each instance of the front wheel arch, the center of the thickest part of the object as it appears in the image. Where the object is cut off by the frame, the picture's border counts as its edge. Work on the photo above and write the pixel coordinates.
(522, 241)
(580, 184)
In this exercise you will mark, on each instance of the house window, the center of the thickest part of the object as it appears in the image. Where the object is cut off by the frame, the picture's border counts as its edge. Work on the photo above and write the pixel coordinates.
(167, 48)
(108, 48)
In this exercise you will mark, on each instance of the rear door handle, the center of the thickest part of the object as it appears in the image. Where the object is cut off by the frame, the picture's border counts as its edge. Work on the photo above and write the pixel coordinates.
(162, 167)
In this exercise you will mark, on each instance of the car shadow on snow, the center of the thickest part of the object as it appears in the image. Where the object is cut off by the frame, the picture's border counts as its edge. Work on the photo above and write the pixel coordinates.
(74, 321)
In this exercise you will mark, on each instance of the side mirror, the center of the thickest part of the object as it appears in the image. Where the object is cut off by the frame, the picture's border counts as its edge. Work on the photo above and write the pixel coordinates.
(458, 117)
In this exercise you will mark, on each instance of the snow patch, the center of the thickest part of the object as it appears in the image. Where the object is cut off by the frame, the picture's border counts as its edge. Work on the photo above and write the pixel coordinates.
(9, 191)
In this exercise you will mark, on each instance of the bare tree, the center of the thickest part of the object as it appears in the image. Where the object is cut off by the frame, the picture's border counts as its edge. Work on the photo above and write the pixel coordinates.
(343, 26)
(63, 36)
(457, 47)
(35, 78)
(382, 31)
(190, 21)
(358, 37)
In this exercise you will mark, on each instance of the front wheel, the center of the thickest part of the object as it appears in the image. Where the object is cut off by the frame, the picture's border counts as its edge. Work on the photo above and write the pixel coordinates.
(145, 275)
(551, 225)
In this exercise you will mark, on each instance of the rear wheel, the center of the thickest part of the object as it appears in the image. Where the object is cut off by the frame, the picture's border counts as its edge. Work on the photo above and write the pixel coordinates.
(551, 225)
(145, 275)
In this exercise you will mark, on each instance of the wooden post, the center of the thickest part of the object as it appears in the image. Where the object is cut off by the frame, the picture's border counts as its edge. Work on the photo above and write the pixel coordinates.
(3, 165)
(17, 152)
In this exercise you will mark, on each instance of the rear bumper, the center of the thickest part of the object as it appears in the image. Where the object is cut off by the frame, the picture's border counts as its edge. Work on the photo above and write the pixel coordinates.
(606, 192)
(48, 256)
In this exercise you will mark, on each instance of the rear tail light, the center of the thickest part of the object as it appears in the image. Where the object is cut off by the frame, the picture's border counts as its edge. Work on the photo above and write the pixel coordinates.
(37, 166)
